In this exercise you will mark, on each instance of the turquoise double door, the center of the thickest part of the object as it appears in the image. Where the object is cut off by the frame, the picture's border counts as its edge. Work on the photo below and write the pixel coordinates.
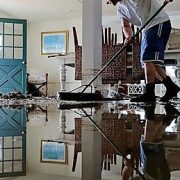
(13, 44)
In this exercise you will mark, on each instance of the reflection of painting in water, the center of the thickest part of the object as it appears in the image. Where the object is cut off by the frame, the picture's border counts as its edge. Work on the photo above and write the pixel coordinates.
(53, 151)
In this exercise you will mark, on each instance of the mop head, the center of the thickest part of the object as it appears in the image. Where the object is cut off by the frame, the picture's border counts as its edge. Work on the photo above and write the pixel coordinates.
(79, 105)
(79, 96)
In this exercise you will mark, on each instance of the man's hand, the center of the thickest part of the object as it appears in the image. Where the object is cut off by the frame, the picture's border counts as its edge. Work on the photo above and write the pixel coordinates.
(128, 41)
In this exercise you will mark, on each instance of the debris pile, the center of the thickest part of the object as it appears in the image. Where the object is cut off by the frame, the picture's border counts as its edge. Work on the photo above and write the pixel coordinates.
(17, 98)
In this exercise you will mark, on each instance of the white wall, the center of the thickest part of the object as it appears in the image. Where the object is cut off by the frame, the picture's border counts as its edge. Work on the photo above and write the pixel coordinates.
(37, 62)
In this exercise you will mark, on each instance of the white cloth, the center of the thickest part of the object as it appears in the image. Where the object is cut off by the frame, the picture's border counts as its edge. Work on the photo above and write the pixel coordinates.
(138, 12)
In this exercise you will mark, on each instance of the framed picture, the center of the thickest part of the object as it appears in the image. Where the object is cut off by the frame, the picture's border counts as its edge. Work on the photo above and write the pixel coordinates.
(56, 42)
(54, 152)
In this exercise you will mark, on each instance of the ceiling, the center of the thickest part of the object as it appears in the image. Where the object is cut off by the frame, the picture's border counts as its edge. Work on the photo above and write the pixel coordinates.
(45, 10)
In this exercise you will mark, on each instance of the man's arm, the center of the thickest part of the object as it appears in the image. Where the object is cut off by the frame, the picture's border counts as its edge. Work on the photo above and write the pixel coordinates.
(127, 30)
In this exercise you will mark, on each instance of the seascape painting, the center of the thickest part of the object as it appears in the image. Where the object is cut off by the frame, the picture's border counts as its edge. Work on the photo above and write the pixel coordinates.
(53, 151)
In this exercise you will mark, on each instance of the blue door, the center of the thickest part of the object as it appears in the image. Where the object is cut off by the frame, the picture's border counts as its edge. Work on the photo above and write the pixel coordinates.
(13, 141)
(13, 38)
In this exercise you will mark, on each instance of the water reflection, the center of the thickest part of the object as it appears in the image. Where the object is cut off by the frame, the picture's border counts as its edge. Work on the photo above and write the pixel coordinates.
(12, 141)
(108, 140)
(136, 133)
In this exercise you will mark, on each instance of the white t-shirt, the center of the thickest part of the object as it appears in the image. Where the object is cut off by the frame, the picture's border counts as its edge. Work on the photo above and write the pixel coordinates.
(139, 11)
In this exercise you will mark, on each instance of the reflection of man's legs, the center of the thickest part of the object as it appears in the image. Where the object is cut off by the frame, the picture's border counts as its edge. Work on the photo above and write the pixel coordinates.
(153, 131)
(154, 127)
(152, 155)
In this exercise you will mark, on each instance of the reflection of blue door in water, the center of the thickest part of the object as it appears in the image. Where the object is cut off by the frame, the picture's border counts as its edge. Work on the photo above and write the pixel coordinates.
(12, 142)
(13, 55)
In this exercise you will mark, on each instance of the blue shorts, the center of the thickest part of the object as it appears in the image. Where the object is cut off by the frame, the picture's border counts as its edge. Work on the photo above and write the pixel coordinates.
(154, 42)
(153, 160)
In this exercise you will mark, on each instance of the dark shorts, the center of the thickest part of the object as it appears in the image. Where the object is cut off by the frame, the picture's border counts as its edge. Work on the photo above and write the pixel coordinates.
(153, 160)
(154, 42)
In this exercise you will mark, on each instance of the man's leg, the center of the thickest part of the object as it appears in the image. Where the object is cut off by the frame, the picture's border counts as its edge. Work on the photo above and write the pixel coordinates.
(150, 75)
(153, 45)
(171, 88)
(150, 72)
(150, 55)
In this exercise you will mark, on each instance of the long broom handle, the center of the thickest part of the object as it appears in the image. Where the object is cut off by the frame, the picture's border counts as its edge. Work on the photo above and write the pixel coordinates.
(124, 46)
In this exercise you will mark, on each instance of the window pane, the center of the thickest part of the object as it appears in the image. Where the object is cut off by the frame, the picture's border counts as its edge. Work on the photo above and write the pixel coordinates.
(17, 141)
(0, 167)
(8, 53)
(18, 53)
(8, 142)
(18, 29)
(17, 166)
(17, 154)
(8, 28)
(8, 166)
(1, 28)
(1, 53)
(8, 40)
(8, 154)
(18, 41)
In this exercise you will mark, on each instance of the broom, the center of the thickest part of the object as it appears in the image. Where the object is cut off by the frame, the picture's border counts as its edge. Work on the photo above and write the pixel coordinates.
(97, 96)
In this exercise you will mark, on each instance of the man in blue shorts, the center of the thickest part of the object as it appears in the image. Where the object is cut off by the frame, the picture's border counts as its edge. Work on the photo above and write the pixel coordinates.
(154, 39)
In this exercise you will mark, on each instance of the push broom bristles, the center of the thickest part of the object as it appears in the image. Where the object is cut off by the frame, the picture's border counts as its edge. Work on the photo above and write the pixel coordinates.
(80, 105)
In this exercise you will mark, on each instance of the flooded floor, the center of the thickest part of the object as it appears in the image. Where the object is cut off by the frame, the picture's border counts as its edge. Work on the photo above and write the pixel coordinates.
(51, 140)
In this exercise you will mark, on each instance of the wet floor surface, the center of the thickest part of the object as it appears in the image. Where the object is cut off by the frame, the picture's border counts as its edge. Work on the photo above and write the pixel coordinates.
(47, 139)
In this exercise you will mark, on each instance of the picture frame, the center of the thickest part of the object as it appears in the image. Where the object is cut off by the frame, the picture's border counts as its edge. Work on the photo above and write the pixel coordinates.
(54, 42)
(54, 152)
